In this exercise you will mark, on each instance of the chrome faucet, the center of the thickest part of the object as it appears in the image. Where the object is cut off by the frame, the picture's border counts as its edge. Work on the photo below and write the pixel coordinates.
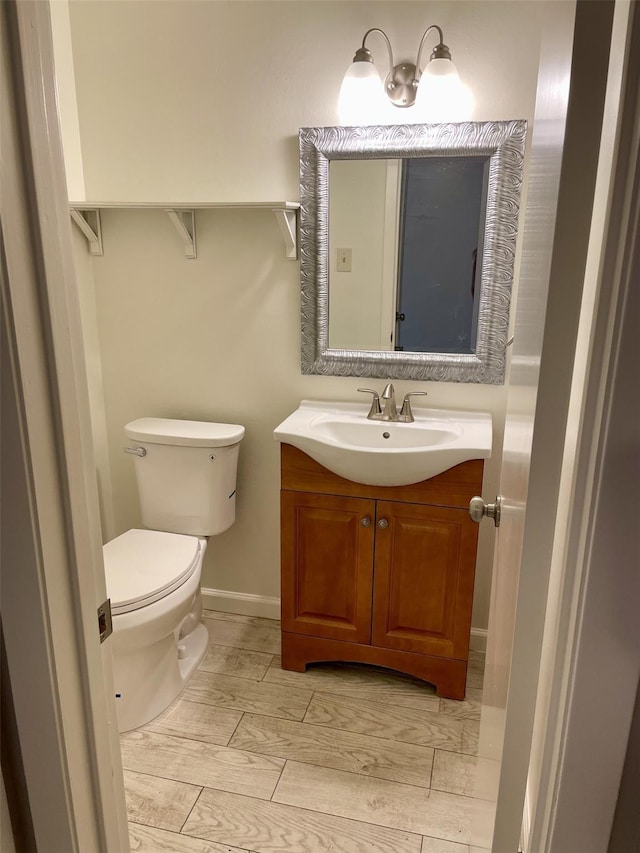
(390, 411)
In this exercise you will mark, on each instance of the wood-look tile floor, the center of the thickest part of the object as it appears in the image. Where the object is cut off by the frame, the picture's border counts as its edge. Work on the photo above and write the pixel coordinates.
(343, 758)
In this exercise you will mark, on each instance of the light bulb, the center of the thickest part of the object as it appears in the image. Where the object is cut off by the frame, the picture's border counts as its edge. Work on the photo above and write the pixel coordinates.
(361, 99)
(441, 95)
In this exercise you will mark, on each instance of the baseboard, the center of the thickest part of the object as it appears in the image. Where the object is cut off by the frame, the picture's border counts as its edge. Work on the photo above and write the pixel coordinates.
(241, 603)
(245, 604)
(478, 640)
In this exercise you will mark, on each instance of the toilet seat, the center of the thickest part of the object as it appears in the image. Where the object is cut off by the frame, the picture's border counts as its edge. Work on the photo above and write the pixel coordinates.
(143, 566)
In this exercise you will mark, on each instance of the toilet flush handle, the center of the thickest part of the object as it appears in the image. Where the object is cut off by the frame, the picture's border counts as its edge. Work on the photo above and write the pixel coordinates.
(136, 451)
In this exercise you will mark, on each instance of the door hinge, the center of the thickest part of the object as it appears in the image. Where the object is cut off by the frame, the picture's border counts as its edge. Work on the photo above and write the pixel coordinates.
(105, 625)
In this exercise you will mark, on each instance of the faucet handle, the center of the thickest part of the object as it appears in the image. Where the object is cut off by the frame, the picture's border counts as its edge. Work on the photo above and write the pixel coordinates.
(406, 414)
(375, 402)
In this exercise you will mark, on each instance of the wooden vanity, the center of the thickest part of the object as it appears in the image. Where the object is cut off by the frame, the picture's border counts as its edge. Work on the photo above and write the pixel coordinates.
(378, 574)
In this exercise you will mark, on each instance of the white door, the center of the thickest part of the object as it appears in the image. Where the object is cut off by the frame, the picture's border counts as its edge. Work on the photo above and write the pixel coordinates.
(564, 238)
(52, 571)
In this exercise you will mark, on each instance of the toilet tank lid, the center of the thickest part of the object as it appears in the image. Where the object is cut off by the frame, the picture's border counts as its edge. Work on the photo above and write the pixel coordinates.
(185, 433)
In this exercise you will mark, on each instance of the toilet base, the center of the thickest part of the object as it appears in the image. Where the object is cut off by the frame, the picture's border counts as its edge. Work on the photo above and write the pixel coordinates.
(151, 662)
(195, 646)
(154, 678)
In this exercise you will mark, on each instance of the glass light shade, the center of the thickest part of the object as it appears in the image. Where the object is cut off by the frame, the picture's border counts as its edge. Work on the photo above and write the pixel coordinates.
(361, 99)
(441, 95)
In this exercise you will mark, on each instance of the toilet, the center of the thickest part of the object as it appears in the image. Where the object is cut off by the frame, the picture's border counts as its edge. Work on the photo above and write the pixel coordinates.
(186, 477)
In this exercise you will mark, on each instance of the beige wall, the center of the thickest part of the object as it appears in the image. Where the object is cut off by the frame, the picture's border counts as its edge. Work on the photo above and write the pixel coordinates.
(93, 361)
(66, 97)
(200, 100)
(162, 118)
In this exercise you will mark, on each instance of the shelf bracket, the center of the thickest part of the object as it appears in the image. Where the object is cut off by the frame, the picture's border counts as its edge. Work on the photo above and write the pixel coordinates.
(288, 223)
(184, 221)
(88, 221)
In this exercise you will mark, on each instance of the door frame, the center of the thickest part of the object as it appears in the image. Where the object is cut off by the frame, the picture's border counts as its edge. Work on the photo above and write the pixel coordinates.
(61, 688)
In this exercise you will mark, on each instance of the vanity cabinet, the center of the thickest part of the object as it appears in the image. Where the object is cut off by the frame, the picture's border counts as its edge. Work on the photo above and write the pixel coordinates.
(377, 574)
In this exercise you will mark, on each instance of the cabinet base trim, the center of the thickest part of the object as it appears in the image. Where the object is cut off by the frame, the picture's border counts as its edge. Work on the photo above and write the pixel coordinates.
(448, 676)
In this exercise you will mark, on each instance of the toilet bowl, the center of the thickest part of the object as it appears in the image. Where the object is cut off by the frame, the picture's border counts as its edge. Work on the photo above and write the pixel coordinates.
(153, 575)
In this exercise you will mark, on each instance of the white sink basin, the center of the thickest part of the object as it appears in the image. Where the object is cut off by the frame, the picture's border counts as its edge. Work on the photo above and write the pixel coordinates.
(385, 453)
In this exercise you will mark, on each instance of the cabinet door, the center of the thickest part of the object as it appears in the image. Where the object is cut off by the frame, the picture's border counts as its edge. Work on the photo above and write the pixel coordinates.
(423, 580)
(327, 565)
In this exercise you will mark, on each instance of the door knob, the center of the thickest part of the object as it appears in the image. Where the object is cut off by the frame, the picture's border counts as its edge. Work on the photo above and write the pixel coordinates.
(383, 523)
(478, 509)
(366, 521)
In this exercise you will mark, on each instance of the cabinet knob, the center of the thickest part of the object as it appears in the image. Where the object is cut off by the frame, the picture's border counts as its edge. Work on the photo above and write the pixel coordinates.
(383, 523)
(366, 521)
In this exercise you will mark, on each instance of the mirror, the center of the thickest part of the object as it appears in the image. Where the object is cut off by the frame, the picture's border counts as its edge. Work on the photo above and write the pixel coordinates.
(407, 237)
(403, 253)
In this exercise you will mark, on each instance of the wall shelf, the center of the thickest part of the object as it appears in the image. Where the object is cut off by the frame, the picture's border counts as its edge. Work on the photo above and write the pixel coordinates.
(86, 215)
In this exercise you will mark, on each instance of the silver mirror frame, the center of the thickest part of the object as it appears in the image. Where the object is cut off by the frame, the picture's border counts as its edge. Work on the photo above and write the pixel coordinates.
(503, 142)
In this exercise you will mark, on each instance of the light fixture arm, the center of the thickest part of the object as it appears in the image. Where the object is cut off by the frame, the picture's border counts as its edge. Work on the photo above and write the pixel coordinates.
(364, 54)
(440, 51)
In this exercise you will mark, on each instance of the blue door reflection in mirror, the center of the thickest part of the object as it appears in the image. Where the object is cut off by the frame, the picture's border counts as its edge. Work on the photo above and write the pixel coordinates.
(442, 206)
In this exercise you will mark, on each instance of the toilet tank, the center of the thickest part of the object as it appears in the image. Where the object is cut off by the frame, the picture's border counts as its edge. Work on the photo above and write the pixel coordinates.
(186, 474)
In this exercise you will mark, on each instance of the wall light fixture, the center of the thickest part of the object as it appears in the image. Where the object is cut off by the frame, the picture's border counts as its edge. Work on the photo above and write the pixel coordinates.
(436, 91)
